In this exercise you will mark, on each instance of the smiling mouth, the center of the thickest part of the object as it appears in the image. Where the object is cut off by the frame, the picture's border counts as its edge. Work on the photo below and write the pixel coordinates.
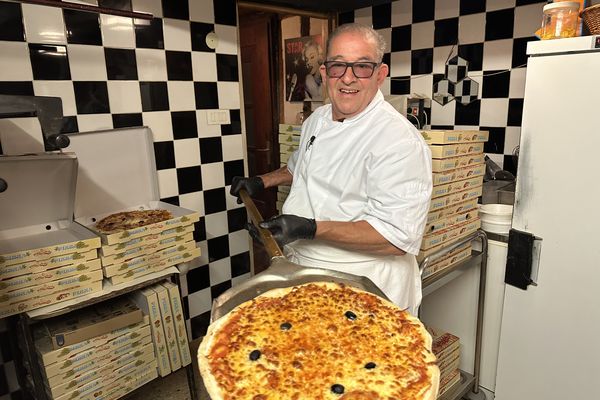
(348, 91)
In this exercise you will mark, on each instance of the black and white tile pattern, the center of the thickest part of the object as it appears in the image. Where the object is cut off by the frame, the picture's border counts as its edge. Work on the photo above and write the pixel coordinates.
(491, 35)
(116, 72)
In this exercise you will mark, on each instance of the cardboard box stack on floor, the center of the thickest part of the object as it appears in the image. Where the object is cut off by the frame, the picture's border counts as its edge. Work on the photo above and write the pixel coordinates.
(289, 140)
(130, 254)
(103, 351)
(458, 167)
(446, 348)
(37, 277)
(162, 304)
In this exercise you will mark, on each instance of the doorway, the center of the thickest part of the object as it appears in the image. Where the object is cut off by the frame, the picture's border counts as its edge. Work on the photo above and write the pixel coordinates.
(262, 65)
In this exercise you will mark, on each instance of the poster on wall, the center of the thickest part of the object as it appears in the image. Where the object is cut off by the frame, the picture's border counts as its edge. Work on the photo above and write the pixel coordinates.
(303, 57)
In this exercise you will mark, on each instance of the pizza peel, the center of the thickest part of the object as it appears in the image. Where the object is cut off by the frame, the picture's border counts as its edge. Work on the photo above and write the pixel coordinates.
(281, 273)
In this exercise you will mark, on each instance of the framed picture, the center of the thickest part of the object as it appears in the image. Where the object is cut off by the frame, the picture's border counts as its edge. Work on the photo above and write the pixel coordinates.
(303, 57)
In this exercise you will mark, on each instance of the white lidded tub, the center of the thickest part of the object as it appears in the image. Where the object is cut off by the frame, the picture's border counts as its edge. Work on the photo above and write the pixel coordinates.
(496, 218)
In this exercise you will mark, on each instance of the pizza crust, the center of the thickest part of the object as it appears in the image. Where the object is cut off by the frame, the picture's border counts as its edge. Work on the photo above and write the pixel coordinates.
(216, 393)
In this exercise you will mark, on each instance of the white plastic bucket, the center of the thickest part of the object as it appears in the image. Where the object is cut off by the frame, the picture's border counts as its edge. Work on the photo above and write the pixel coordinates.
(496, 218)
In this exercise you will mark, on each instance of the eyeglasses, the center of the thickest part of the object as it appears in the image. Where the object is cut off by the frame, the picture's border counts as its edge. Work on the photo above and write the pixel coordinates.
(360, 69)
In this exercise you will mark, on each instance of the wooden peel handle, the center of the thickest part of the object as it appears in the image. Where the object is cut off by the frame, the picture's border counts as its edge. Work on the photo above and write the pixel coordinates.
(269, 242)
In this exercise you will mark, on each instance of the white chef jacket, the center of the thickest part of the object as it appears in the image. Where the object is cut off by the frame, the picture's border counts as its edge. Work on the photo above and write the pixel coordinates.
(375, 167)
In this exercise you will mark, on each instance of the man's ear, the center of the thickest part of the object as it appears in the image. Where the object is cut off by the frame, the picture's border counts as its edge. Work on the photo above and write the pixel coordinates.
(382, 73)
(323, 72)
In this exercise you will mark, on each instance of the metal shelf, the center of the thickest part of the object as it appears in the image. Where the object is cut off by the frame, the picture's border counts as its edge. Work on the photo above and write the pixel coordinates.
(29, 363)
(469, 384)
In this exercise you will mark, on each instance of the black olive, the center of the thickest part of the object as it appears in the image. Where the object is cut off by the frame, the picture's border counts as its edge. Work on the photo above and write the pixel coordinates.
(350, 315)
(286, 326)
(370, 365)
(254, 355)
(337, 388)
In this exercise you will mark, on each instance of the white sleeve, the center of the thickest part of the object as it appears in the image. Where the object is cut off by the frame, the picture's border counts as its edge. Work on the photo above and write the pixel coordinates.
(292, 161)
(399, 193)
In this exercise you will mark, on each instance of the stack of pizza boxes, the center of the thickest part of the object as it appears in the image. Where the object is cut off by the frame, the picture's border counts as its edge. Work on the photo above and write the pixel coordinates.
(458, 167)
(129, 182)
(289, 140)
(45, 257)
(103, 351)
(446, 348)
(162, 304)
(133, 253)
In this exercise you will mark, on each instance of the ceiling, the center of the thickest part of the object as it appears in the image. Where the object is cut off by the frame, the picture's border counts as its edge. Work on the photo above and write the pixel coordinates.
(324, 5)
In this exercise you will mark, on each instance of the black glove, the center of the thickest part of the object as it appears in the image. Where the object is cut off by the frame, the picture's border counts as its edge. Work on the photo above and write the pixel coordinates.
(287, 228)
(253, 186)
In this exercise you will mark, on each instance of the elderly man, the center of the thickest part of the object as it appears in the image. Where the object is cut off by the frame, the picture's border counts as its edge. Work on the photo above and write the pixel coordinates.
(360, 180)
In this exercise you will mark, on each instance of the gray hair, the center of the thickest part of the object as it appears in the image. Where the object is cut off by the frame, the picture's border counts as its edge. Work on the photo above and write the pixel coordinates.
(368, 33)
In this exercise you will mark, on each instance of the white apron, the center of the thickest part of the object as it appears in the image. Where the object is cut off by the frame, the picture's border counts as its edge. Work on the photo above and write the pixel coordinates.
(397, 276)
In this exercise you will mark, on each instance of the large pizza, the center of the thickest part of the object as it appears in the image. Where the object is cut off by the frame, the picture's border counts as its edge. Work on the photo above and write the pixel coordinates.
(318, 341)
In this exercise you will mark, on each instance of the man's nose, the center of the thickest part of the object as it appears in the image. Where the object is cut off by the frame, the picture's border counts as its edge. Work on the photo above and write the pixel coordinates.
(348, 76)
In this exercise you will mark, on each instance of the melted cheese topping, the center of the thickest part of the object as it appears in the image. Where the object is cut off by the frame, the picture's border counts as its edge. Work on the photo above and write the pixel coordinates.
(342, 344)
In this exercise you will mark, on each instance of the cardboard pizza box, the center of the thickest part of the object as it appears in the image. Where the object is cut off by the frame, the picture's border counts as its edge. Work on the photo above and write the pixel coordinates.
(127, 384)
(98, 357)
(23, 305)
(48, 276)
(48, 355)
(443, 342)
(284, 188)
(179, 321)
(146, 269)
(446, 235)
(36, 213)
(108, 350)
(455, 136)
(459, 174)
(167, 319)
(289, 138)
(451, 220)
(453, 209)
(455, 198)
(146, 249)
(447, 164)
(128, 182)
(147, 300)
(465, 232)
(181, 217)
(453, 187)
(107, 250)
(447, 262)
(93, 321)
(279, 205)
(84, 374)
(287, 148)
(450, 380)
(92, 390)
(32, 267)
(149, 259)
(291, 129)
(11, 295)
(455, 150)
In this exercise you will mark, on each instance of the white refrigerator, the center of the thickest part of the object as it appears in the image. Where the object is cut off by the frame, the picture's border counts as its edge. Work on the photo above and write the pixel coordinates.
(550, 334)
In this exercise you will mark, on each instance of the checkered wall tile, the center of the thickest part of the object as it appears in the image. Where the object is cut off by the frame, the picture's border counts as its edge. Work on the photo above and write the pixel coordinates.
(491, 35)
(113, 72)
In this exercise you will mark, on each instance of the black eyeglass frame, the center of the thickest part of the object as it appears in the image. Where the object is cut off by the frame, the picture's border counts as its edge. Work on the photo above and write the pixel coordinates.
(351, 65)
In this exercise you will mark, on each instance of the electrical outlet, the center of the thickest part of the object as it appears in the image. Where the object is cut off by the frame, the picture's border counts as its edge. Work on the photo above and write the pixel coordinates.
(218, 117)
